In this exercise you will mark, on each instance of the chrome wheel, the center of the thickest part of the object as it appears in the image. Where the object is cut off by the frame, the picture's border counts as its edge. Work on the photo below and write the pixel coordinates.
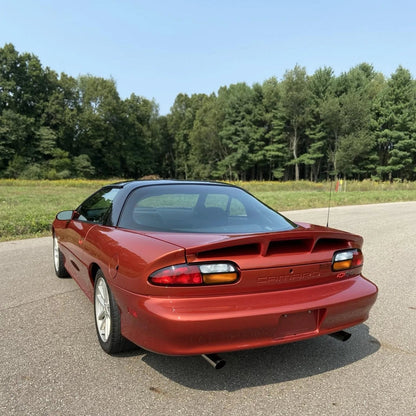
(56, 254)
(107, 318)
(102, 309)
(58, 259)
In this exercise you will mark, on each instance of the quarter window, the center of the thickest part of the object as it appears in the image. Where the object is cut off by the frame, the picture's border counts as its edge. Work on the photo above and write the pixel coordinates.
(98, 206)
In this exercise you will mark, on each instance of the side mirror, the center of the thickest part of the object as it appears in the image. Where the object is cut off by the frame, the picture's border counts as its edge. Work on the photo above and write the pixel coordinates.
(66, 215)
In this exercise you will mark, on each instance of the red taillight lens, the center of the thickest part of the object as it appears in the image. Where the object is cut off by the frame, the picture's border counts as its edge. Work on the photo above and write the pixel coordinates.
(177, 275)
(195, 274)
(347, 259)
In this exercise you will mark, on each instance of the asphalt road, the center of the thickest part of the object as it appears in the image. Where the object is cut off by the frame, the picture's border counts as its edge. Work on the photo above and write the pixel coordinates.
(52, 364)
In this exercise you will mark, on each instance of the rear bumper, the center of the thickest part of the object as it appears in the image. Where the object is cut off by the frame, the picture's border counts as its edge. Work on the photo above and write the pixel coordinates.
(190, 326)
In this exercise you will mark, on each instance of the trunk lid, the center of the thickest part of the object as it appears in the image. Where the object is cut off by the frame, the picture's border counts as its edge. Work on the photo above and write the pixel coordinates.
(271, 261)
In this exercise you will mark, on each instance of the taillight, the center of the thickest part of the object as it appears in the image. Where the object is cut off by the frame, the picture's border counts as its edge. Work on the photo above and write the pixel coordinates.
(195, 274)
(347, 259)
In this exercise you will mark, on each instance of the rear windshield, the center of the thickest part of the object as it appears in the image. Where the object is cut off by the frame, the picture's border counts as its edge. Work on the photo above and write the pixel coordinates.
(194, 208)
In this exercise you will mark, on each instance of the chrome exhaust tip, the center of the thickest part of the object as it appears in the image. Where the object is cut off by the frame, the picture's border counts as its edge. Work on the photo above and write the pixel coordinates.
(216, 361)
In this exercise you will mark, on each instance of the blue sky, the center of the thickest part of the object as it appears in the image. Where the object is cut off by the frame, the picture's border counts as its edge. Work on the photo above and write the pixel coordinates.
(158, 49)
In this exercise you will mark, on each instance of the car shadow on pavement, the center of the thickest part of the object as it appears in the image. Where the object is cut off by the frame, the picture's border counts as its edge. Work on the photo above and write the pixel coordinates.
(267, 365)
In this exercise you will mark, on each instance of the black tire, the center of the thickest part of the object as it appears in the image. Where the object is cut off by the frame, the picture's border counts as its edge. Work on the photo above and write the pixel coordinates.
(107, 318)
(58, 260)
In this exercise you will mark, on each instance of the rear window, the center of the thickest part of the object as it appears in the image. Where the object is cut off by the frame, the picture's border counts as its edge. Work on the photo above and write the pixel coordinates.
(195, 208)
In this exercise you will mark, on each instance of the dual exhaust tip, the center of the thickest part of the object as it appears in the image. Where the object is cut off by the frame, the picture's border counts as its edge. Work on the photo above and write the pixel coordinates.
(217, 362)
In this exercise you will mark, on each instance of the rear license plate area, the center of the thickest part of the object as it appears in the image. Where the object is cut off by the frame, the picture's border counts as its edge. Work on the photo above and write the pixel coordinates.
(298, 323)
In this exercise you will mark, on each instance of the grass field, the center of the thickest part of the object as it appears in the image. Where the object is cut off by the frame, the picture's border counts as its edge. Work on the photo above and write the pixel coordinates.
(29, 207)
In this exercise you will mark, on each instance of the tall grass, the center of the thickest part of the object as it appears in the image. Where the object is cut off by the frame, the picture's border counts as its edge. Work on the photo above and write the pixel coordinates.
(345, 186)
(293, 195)
(27, 208)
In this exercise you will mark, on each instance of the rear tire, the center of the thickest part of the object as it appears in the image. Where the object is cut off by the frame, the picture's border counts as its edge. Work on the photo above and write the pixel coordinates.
(58, 260)
(107, 318)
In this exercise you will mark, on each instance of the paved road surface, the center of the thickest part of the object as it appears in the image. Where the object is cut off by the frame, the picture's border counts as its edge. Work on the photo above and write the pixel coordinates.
(51, 362)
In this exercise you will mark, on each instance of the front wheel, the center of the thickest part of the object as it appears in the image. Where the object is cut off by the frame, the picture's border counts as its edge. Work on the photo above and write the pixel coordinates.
(107, 318)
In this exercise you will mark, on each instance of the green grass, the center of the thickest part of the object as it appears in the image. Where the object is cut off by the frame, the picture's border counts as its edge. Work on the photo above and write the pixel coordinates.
(285, 201)
(27, 208)
(283, 196)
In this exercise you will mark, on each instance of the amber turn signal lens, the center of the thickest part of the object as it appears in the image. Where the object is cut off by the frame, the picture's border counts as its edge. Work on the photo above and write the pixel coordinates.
(347, 259)
(220, 278)
(342, 265)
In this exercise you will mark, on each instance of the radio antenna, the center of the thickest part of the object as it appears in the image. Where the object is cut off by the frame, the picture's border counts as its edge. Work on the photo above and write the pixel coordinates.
(329, 202)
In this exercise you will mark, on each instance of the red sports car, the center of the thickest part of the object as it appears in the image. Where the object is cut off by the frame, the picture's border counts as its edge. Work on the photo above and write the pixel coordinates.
(185, 268)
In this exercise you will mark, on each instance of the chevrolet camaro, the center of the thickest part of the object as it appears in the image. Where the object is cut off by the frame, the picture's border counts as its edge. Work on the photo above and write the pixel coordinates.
(187, 268)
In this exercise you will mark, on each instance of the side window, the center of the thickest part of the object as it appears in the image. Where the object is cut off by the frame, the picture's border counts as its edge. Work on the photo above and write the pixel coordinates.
(97, 207)
(217, 201)
(237, 209)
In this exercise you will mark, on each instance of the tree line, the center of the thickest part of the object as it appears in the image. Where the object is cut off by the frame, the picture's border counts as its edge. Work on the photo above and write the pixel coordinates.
(356, 125)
